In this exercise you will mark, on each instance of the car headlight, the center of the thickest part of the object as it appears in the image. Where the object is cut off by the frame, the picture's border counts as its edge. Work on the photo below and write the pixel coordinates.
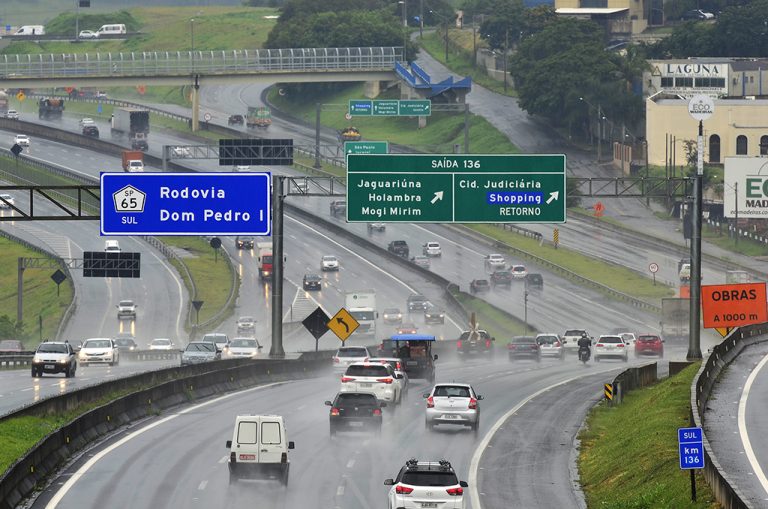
(63, 361)
(36, 359)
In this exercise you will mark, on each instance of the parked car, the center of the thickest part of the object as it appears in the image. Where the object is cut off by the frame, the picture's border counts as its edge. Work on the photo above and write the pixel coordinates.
(392, 315)
(550, 345)
(54, 357)
(646, 344)
(452, 403)
(479, 285)
(312, 282)
(432, 248)
(98, 351)
(524, 347)
(611, 346)
(199, 351)
(355, 411)
(434, 481)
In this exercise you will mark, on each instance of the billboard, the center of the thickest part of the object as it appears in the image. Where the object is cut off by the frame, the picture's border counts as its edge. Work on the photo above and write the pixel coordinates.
(746, 187)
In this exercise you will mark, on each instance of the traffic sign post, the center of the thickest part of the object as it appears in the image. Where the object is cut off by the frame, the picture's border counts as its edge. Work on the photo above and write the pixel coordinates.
(733, 305)
(185, 204)
(389, 108)
(654, 268)
(691, 448)
(343, 324)
(451, 188)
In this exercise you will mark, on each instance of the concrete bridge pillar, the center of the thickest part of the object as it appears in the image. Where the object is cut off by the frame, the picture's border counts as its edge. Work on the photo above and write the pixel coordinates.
(372, 89)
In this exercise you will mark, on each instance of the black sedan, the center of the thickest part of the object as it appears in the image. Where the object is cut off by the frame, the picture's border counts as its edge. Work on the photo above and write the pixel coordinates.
(434, 314)
(312, 282)
(126, 343)
(355, 411)
(524, 347)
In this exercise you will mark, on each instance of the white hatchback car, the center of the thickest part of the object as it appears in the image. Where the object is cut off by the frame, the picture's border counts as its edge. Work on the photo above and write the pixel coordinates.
(374, 377)
(432, 249)
(611, 346)
(21, 140)
(550, 345)
(518, 271)
(347, 355)
(329, 262)
(452, 403)
(241, 348)
(12, 114)
(494, 262)
(88, 34)
(161, 344)
(423, 484)
(98, 351)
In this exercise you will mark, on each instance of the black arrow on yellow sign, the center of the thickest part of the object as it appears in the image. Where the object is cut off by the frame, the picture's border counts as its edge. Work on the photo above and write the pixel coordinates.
(342, 322)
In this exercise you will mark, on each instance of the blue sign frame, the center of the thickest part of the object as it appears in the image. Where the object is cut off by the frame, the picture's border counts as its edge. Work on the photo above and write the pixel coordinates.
(691, 448)
(186, 203)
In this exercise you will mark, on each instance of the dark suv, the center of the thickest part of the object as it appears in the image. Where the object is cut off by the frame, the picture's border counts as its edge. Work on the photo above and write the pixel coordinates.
(417, 302)
(501, 277)
(399, 247)
(355, 411)
(479, 285)
(479, 344)
(244, 242)
(91, 130)
(54, 357)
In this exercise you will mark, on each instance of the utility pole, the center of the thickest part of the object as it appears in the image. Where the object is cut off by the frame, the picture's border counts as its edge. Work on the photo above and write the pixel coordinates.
(506, 48)
(278, 196)
(736, 215)
(318, 107)
(421, 19)
(599, 133)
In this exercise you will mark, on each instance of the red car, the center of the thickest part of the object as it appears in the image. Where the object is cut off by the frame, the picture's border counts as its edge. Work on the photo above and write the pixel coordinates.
(649, 344)
(407, 328)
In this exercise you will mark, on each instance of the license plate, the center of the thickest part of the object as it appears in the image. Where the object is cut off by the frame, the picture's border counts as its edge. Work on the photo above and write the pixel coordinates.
(412, 363)
(49, 366)
(366, 385)
(247, 457)
(429, 504)
(356, 424)
(451, 417)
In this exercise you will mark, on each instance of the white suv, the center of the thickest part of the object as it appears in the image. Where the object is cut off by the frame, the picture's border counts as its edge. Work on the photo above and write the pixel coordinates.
(494, 262)
(347, 355)
(422, 484)
(329, 262)
(126, 309)
(432, 249)
(374, 377)
(571, 338)
(611, 346)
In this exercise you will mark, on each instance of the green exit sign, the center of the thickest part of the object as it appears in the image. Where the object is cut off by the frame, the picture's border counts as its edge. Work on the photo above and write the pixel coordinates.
(390, 107)
(366, 147)
(519, 188)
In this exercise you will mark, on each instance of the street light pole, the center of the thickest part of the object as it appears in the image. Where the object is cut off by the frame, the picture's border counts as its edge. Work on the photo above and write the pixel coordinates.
(599, 133)
(506, 48)
(421, 19)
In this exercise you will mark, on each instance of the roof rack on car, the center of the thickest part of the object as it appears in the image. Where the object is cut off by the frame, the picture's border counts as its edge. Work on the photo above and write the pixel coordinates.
(445, 464)
(411, 463)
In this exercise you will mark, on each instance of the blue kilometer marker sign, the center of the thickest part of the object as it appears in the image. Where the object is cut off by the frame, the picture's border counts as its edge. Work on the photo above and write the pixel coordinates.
(186, 203)
(691, 444)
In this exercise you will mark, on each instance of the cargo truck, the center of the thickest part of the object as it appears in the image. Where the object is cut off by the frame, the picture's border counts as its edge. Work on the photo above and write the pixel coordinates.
(361, 305)
(3, 103)
(132, 123)
(675, 318)
(260, 117)
(264, 260)
(133, 161)
(49, 108)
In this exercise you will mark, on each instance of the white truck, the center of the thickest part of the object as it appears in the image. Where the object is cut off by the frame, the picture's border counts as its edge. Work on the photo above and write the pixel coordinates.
(361, 304)
(264, 259)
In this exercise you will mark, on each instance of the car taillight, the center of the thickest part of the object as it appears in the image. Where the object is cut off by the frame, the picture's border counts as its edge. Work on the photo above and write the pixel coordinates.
(455, 492)
(384, 380)
(557, 344)
(472, 404)
(377, 411)
(399, 366)
(334, 411)
(336, 360)
(430, 402)
(511, 346)
(458, 344)
(620, 345)
(487, 343)
(346, 379)
(599, 344)
(403, 490)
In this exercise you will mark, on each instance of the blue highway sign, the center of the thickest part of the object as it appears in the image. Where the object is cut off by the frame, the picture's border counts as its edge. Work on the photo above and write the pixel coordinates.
(691, 445)
(186, 203)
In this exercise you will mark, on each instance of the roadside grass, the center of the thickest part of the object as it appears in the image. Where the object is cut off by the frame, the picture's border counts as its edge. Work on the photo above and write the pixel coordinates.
(629, 456)
(499, 324)
(442, 132)
(213, 279)
(460, 61)
(607, 273)
(39, 299)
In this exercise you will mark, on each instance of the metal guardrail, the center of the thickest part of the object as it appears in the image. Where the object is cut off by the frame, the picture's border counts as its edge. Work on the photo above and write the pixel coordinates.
(188, 63)
(633, 378)
(15, 361)
(115, 102)
(724, 487)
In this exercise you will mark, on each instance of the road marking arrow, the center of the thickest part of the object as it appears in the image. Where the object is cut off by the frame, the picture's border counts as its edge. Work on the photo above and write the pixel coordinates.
(553, 196)
(342, 322)
(438, 196)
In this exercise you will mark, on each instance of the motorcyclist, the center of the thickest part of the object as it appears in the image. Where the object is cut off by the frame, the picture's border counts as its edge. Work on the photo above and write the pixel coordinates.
(585, 345)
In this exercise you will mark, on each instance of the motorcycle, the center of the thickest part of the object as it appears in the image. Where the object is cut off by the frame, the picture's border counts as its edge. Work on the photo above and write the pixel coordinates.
(584, 354)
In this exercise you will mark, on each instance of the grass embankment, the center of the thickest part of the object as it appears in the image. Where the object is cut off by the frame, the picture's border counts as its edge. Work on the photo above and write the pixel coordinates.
(629, 455)
(443, 130)
(609, 274)
(500, 325)
(212, 274)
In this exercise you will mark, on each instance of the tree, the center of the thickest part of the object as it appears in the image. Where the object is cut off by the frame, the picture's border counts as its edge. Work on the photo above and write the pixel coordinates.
(504, 26)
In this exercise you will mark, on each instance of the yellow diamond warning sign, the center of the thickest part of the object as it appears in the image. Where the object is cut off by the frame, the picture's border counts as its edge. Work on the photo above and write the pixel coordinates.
(343, 324)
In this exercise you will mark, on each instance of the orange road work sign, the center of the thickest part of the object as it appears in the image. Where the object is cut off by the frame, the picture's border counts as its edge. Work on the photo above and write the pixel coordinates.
(733, 305)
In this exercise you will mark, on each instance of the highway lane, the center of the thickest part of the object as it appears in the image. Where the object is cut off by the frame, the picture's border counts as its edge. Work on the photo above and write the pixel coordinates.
(735, 419)
(189, 468)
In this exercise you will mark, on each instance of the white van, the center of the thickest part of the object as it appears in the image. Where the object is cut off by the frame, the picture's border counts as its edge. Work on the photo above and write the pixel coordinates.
(258, 449)
(31, 30)
(111, 30)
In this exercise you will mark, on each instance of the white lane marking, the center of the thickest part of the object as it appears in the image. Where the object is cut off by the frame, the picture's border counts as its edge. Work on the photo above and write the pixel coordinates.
(202, 485)
(743, 425)
(576, 295)
(409, 287)
(57, 498)
(340, 491)
(176, 278)
(27, 389)
(475, 463)
(350, 463)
